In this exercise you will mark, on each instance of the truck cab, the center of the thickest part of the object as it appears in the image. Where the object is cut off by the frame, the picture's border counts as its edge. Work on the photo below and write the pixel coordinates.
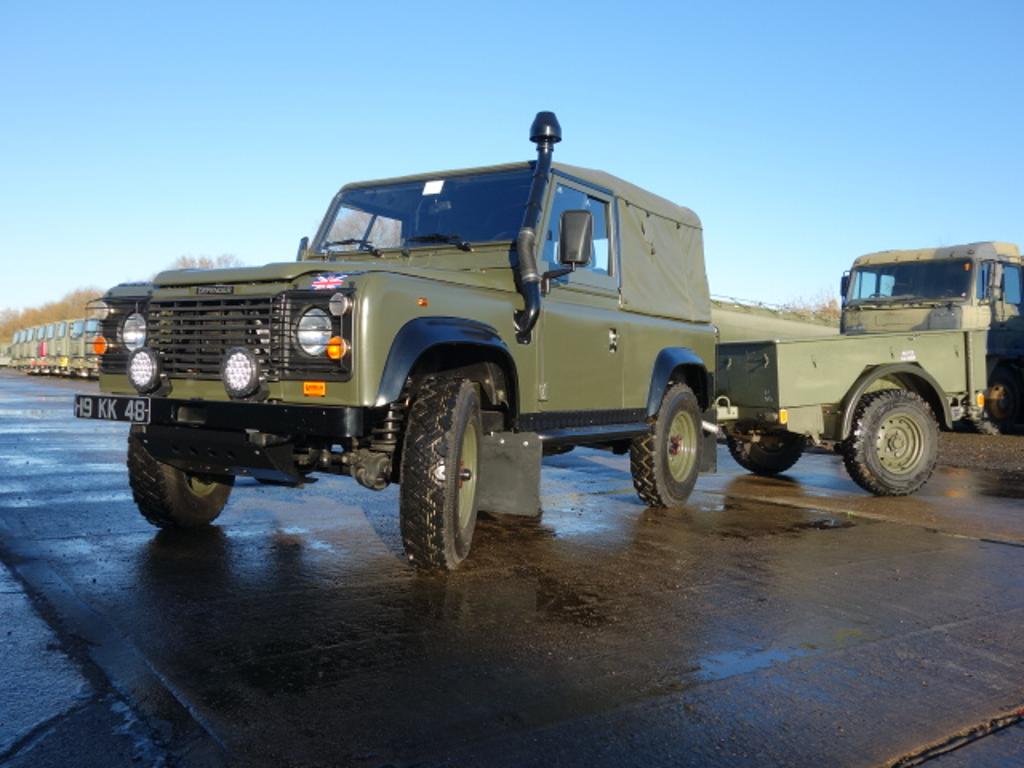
(977, 286)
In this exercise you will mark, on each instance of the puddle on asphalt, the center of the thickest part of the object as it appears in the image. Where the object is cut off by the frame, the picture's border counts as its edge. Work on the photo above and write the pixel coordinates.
(719, 666)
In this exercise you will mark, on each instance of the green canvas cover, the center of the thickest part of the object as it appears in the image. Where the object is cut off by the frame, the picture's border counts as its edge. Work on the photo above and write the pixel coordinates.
(662, 254)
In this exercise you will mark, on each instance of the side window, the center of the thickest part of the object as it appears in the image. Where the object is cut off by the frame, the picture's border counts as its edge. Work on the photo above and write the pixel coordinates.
(92, 326)
(76, 329)
(50, 330)
(569, 199)
(983, 272)
(61, 330)
(1011, 284)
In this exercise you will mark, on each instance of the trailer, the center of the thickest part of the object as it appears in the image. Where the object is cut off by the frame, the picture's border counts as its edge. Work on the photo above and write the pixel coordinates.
(879, 400)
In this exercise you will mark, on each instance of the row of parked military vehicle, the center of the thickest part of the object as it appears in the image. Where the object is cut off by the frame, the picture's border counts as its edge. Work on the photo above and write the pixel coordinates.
(63, 348)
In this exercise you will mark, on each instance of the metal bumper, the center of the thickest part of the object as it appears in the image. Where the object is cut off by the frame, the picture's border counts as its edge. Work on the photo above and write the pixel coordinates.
(276, 418)
(243, 439)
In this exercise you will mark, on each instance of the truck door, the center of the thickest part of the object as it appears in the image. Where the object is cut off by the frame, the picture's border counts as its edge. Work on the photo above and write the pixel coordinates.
(1008, 322)
(580, 368)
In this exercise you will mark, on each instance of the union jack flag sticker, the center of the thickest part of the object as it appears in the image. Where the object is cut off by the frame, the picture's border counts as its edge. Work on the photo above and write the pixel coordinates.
(329, 281)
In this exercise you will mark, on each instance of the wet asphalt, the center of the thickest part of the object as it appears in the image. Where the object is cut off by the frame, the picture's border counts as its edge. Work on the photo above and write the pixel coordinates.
(790, 621)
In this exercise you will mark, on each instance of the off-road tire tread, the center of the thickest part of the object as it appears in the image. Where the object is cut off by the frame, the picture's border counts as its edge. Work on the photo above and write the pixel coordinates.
(643, 457)
(853, 449)
(741, 451)
(151, 484)
(422, 506)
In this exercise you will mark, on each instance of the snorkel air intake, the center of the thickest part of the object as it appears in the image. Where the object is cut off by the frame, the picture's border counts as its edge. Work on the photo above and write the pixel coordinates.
(545, 133)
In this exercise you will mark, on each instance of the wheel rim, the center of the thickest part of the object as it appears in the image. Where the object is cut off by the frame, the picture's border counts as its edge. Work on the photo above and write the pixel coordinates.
(467, 476)
(200, 487)
(682, 446)
(998, 395)
(900, 443)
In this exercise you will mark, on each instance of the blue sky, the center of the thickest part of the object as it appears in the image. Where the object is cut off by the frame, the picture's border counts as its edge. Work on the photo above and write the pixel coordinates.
(803, 134)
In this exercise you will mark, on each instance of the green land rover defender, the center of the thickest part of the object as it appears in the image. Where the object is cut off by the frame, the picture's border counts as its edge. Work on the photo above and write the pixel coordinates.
(443, 331)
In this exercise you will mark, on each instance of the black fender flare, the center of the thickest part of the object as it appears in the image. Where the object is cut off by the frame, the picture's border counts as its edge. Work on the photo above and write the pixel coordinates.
(913, 377)
(668, 360)
(424, 333)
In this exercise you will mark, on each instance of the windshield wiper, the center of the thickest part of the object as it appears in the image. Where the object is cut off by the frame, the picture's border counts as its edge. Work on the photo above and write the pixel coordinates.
(366, 245)
(442, 237)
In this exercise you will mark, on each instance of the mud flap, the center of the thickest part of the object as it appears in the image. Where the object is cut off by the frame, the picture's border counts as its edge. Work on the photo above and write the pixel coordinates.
(509, 482)
(709, 442)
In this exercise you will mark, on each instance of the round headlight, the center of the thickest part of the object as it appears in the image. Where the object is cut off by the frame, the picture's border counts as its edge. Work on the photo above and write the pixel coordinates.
(144, 370)
(133, 331)
(314, 331)
(240, 372)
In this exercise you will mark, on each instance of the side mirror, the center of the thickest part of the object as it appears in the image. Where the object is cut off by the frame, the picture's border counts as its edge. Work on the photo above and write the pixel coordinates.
(576, 238)
(995, 281)
(844, 286)
(303, 245)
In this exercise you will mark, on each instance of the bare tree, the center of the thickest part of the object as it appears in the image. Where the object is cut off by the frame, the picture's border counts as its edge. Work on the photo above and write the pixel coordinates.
(70, 306)
(188, 261)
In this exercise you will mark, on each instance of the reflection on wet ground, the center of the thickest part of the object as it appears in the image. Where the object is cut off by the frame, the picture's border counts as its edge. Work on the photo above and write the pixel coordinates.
(769, 622)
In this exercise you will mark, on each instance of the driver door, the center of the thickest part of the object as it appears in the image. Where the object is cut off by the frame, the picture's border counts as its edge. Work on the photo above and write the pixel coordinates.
(580, 365)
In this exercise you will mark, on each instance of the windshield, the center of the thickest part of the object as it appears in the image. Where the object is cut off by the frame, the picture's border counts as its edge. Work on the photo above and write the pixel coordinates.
(909, 280)
(477, 208)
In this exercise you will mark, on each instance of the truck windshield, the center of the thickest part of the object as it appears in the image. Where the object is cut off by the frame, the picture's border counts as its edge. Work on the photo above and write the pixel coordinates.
(912, 280)
(475, 208)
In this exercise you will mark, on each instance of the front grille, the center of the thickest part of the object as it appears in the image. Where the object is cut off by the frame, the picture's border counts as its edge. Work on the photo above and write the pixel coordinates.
(192, 335)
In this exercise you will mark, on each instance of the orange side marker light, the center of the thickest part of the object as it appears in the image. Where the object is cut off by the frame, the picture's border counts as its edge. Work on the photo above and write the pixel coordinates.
(99, 345)
(337, 348)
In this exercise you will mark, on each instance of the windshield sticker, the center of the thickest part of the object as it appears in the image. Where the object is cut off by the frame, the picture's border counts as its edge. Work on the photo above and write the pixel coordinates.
(908, 356)
(329, 281)
(433, 187)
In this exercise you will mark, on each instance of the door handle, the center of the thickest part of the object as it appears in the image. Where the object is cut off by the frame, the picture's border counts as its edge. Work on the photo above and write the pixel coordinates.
(613, 340)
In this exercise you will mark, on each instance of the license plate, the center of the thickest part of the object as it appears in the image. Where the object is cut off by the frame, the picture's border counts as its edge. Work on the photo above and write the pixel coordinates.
(133, 409)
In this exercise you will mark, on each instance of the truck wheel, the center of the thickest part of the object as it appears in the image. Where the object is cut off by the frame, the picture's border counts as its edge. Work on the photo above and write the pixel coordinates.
(772, 455)
(440, 462)
(894, 443)
(665, 461)
(172, 498)
(1003, 401)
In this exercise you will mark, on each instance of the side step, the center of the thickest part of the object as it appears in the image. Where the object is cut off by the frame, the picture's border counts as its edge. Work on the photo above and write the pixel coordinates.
(608, 433)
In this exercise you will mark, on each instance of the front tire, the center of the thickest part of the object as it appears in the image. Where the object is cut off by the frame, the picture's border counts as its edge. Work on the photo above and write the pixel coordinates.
(1003, 401)
(772, 455)
(666, 460)
(172, 498)
(894, 444)
(438, 478)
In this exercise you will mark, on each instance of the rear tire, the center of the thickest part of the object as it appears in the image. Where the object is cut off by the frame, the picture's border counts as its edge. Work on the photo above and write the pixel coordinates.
(666, 460)
(172, 498)
(894, 444)
(772, 455)
(440, 464)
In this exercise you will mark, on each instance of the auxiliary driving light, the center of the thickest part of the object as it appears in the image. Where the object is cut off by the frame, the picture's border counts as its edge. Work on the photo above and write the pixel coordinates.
(144, 370)
(240, 372)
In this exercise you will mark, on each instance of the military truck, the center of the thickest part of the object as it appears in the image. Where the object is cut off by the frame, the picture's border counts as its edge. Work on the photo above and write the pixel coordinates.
(82, 360)
(972, 286)
(407, 343)
(877, 400)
